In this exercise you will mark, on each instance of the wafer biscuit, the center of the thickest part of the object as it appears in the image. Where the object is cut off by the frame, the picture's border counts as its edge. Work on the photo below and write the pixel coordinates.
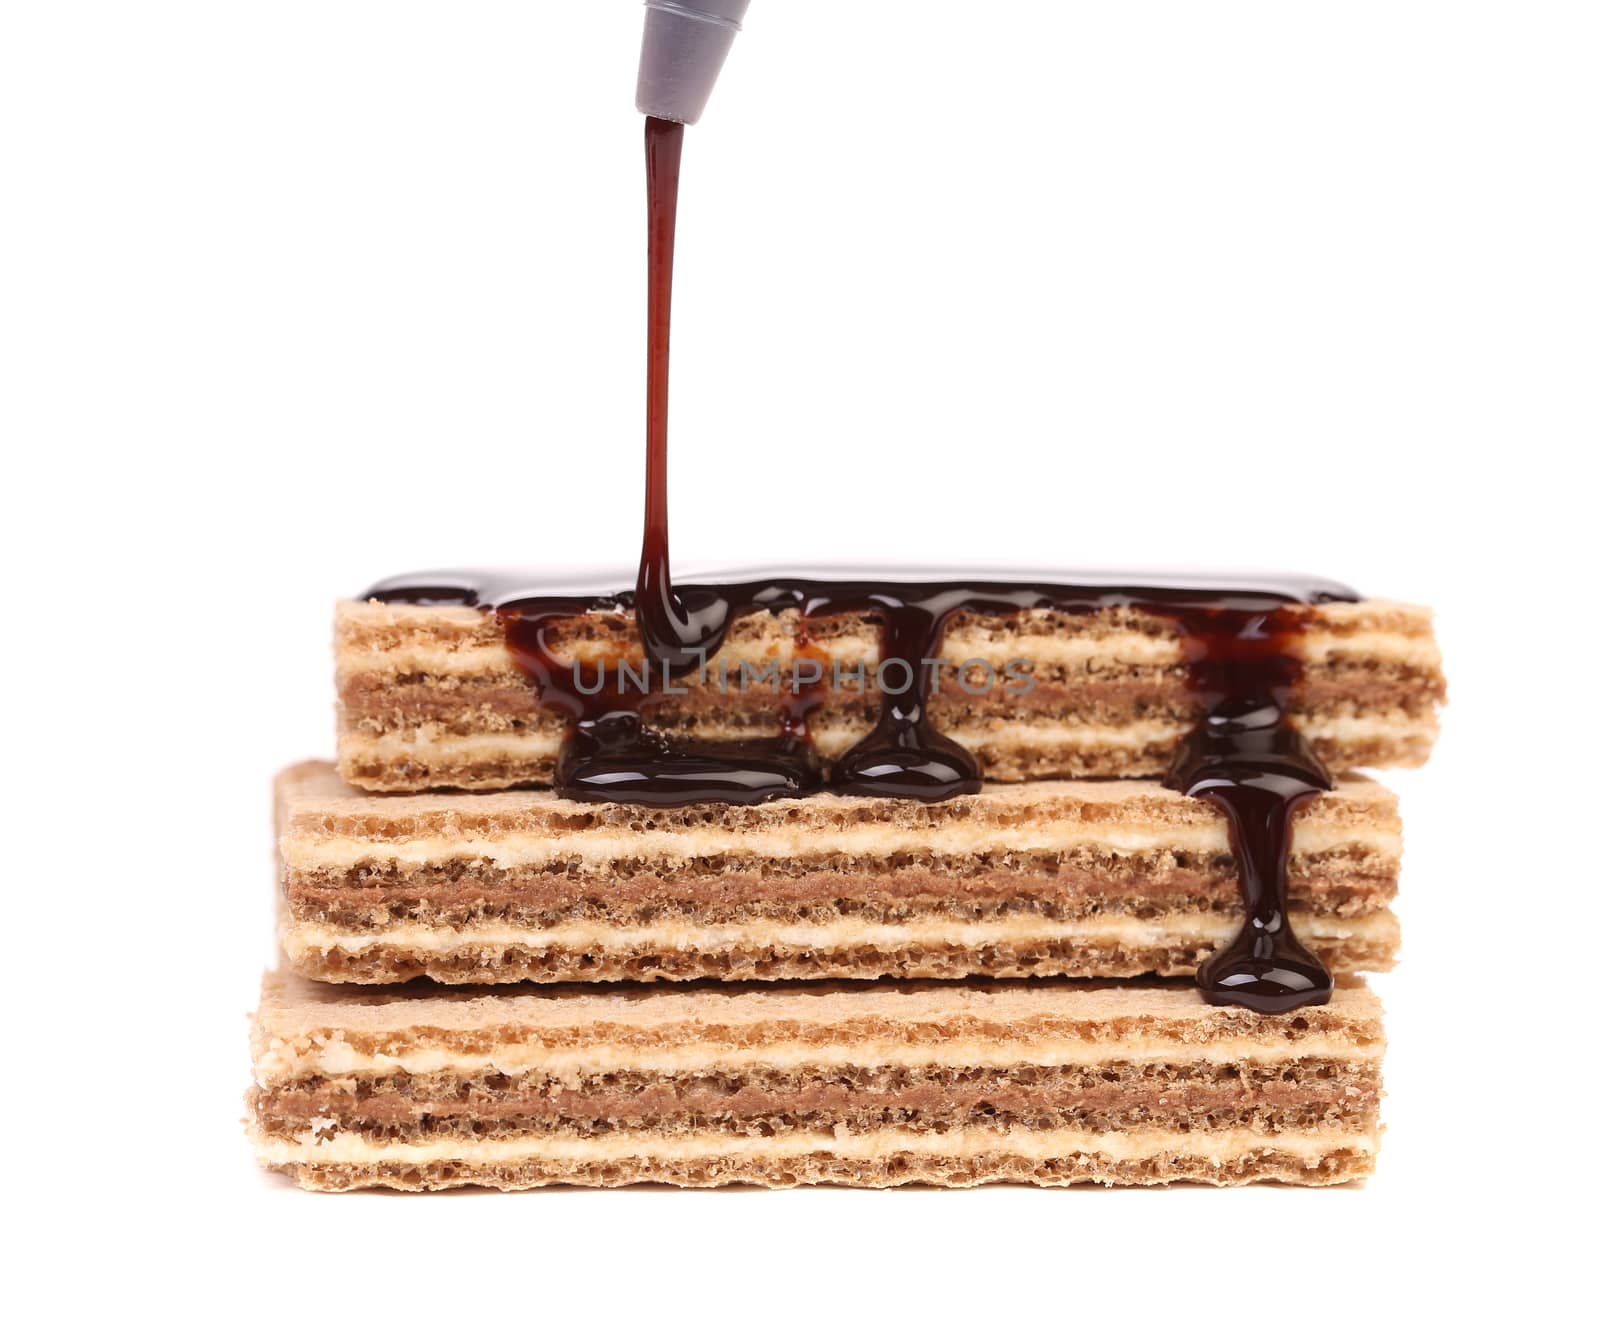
(1049, 1083)
(430, 697)
(1082, 878)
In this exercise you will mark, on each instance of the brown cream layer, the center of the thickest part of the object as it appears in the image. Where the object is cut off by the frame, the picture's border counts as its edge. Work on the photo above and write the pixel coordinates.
(375, 703)
(1321, 1117)
(1308, 1095)
(749, 1089)
(734, 954)
(459, 895)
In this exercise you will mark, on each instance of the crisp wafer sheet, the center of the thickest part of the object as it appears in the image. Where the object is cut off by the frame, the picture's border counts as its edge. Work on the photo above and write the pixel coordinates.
(1051, 1083)
(1034, 879)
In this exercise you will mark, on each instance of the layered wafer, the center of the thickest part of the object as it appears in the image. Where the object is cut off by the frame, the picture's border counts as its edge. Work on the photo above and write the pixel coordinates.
(1049, 1083)
(429, 696)
(1104, 879)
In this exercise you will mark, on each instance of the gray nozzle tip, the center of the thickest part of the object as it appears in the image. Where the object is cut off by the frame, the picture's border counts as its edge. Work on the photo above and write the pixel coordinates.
(685, 43)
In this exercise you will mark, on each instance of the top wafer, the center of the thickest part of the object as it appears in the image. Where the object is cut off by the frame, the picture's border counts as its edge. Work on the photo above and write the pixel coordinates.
(431, 696)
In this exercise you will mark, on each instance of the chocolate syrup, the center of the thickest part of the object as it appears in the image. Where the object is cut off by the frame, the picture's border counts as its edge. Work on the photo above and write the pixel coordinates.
(1248, 760)
(1239, 638)
(667, 628)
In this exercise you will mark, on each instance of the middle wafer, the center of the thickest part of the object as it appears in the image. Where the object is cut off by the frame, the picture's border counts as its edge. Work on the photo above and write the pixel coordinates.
(1108, 879)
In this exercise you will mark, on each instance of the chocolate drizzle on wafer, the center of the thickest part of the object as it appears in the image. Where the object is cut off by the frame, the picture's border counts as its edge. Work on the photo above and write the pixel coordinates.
(1240, 639)
(1246, 758)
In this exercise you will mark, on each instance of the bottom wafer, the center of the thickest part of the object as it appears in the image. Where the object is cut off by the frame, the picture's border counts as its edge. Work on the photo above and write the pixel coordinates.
(1047, 1082)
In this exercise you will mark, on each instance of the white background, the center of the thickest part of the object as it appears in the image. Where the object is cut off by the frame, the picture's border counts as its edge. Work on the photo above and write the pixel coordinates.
(297, 294)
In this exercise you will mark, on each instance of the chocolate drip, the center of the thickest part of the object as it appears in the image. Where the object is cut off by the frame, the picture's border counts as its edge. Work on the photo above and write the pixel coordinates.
(673, 634)
(1239, 636)
(903, 756)
(1247, 759)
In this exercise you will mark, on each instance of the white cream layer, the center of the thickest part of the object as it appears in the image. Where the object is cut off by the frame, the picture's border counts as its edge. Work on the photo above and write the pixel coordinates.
(837, 935)
(1111, 651)
(284, 1060)
(305, 850)
(1049, 1144)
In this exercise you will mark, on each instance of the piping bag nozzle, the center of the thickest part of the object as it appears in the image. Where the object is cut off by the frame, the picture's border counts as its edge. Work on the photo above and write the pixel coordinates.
(685, 43)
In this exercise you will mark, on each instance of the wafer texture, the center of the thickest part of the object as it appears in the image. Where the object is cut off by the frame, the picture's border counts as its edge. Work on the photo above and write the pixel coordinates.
(1107, 879)
(1049, 1083)
(429, 696)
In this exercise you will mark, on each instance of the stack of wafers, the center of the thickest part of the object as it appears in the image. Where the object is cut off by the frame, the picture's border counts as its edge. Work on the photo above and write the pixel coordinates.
(493, 985)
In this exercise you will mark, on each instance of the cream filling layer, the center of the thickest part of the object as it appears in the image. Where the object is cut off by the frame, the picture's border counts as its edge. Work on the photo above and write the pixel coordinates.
(836, 935)
(424, 653)
(432, 743)
(330, 1055)
(1108, 652)
(1050, 1144)
(304, 850)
